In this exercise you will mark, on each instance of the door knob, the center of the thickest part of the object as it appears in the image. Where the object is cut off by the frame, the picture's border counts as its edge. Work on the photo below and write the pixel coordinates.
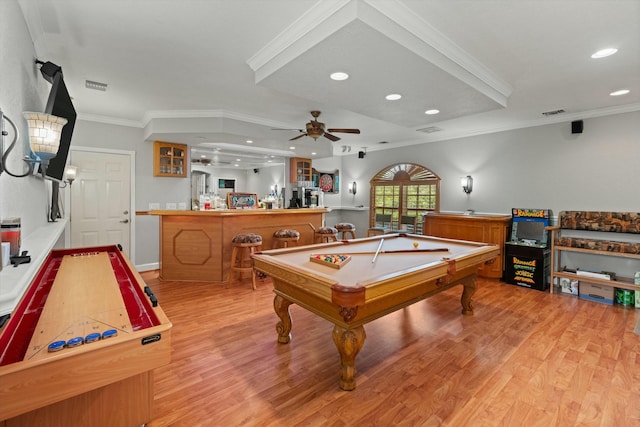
(124, 221)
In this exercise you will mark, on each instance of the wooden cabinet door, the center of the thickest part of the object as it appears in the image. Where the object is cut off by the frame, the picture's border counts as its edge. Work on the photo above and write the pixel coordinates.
(170, 159)
(299, 169)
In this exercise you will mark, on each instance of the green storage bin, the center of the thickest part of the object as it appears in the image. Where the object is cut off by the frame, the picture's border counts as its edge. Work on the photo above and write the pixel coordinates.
(625, 297)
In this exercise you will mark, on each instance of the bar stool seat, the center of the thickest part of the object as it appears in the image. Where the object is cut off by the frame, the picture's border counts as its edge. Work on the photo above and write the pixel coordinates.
(243, 246)
(346, 227)
(285, 237)
(325, 235)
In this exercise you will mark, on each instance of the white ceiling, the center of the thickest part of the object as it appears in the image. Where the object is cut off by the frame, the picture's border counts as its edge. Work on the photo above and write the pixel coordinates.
(219, 72)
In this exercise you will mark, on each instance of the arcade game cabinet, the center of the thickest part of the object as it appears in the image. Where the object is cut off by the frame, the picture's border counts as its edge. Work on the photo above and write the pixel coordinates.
(527, 252)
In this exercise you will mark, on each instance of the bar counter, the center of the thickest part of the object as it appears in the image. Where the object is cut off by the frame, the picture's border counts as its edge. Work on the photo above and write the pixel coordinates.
(196, 245)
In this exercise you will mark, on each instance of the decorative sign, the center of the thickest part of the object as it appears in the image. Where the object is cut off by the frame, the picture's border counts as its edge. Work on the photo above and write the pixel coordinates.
(242, 200)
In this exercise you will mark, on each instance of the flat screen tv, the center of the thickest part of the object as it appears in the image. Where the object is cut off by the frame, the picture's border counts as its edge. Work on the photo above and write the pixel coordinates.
(60, 104)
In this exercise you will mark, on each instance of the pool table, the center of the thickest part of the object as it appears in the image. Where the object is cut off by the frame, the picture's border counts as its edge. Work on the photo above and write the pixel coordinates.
(381, 274)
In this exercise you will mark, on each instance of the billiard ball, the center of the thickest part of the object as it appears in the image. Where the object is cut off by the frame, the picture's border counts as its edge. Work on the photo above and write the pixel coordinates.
(415, 244)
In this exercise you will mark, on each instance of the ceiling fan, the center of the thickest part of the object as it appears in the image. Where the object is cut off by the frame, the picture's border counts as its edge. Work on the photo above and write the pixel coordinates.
(315, 130)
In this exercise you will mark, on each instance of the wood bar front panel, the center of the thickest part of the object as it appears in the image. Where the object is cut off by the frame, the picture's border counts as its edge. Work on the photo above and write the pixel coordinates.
(196, 245)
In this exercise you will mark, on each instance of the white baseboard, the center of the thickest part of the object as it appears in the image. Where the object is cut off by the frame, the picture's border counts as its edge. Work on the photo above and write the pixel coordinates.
(147, 267)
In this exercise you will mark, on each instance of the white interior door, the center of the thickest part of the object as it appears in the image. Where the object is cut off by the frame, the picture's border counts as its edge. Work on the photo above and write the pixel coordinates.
(101, 200)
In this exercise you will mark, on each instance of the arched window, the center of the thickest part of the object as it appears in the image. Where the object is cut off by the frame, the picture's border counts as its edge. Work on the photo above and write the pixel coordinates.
(404, 189)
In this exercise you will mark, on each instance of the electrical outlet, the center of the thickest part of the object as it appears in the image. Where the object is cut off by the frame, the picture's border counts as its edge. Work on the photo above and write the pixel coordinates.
(154, 206)
(182, 206)
(171, 206)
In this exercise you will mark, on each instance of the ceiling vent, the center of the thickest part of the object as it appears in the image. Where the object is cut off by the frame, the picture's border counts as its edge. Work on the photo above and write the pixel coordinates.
(95, 85)
(430, 129)
(553, 113)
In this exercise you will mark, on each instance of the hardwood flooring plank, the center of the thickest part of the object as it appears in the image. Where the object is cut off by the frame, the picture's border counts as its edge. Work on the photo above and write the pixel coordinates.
(525, 358)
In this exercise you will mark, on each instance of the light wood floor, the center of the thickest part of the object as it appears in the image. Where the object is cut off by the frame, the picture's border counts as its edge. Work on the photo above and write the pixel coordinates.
(526, 358)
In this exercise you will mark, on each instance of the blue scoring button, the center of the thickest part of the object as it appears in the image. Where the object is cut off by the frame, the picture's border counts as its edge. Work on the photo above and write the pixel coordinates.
(56, 346)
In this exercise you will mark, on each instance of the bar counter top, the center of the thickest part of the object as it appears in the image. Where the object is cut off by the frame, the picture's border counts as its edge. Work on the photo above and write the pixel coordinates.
(238, 212)
(196, 245)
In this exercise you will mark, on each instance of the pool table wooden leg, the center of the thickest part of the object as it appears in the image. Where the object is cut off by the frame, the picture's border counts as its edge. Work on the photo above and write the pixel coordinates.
(283, 327)
(470, 285)
(349, 342)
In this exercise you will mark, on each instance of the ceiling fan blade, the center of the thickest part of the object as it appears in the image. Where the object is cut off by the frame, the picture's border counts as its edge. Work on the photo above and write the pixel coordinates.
(344, 130)
(298, 137)
(331, 137)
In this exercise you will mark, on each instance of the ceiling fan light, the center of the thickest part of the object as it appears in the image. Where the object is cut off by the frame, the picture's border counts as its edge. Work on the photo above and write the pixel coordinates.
(339, 76)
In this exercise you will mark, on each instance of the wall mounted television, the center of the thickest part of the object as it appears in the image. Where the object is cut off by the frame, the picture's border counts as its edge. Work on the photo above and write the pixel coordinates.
(60, 104)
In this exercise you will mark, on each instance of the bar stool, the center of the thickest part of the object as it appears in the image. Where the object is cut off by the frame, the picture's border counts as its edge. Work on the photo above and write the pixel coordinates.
(243, 246)
(346, 227)
(325, 235)
(285, 237)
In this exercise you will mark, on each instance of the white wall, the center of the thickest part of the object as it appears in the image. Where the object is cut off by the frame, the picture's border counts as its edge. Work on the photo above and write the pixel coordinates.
(542, 167)
(260, 182)
(21, 89)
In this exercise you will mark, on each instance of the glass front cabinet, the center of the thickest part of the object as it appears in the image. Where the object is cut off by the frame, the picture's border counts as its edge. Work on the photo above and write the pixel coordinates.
(169, 159)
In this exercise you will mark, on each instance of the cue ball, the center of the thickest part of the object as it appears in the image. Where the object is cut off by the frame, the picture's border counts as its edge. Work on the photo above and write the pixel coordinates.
(415, 244)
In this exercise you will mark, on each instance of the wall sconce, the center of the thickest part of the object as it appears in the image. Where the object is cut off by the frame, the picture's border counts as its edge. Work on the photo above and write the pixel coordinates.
(353, 188)
(44, 140)
(467, 184)
(70, 174)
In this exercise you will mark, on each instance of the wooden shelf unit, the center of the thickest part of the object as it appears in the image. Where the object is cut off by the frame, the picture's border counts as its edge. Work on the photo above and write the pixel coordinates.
(556, 255)
(300, 169)
(170, 159)
(620, 282)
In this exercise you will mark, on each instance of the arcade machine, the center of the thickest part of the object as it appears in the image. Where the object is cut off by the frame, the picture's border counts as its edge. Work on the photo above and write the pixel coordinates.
(527, 252)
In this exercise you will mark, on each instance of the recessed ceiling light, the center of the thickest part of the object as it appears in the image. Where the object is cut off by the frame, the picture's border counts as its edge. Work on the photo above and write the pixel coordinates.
(236, 165)
(339, 76)
(429, 129)
(238, 160)
(603, 53)
(431, 112)
(620, 92)
(313, 153)
(292, 148)
(249, 141)
(393, 97)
